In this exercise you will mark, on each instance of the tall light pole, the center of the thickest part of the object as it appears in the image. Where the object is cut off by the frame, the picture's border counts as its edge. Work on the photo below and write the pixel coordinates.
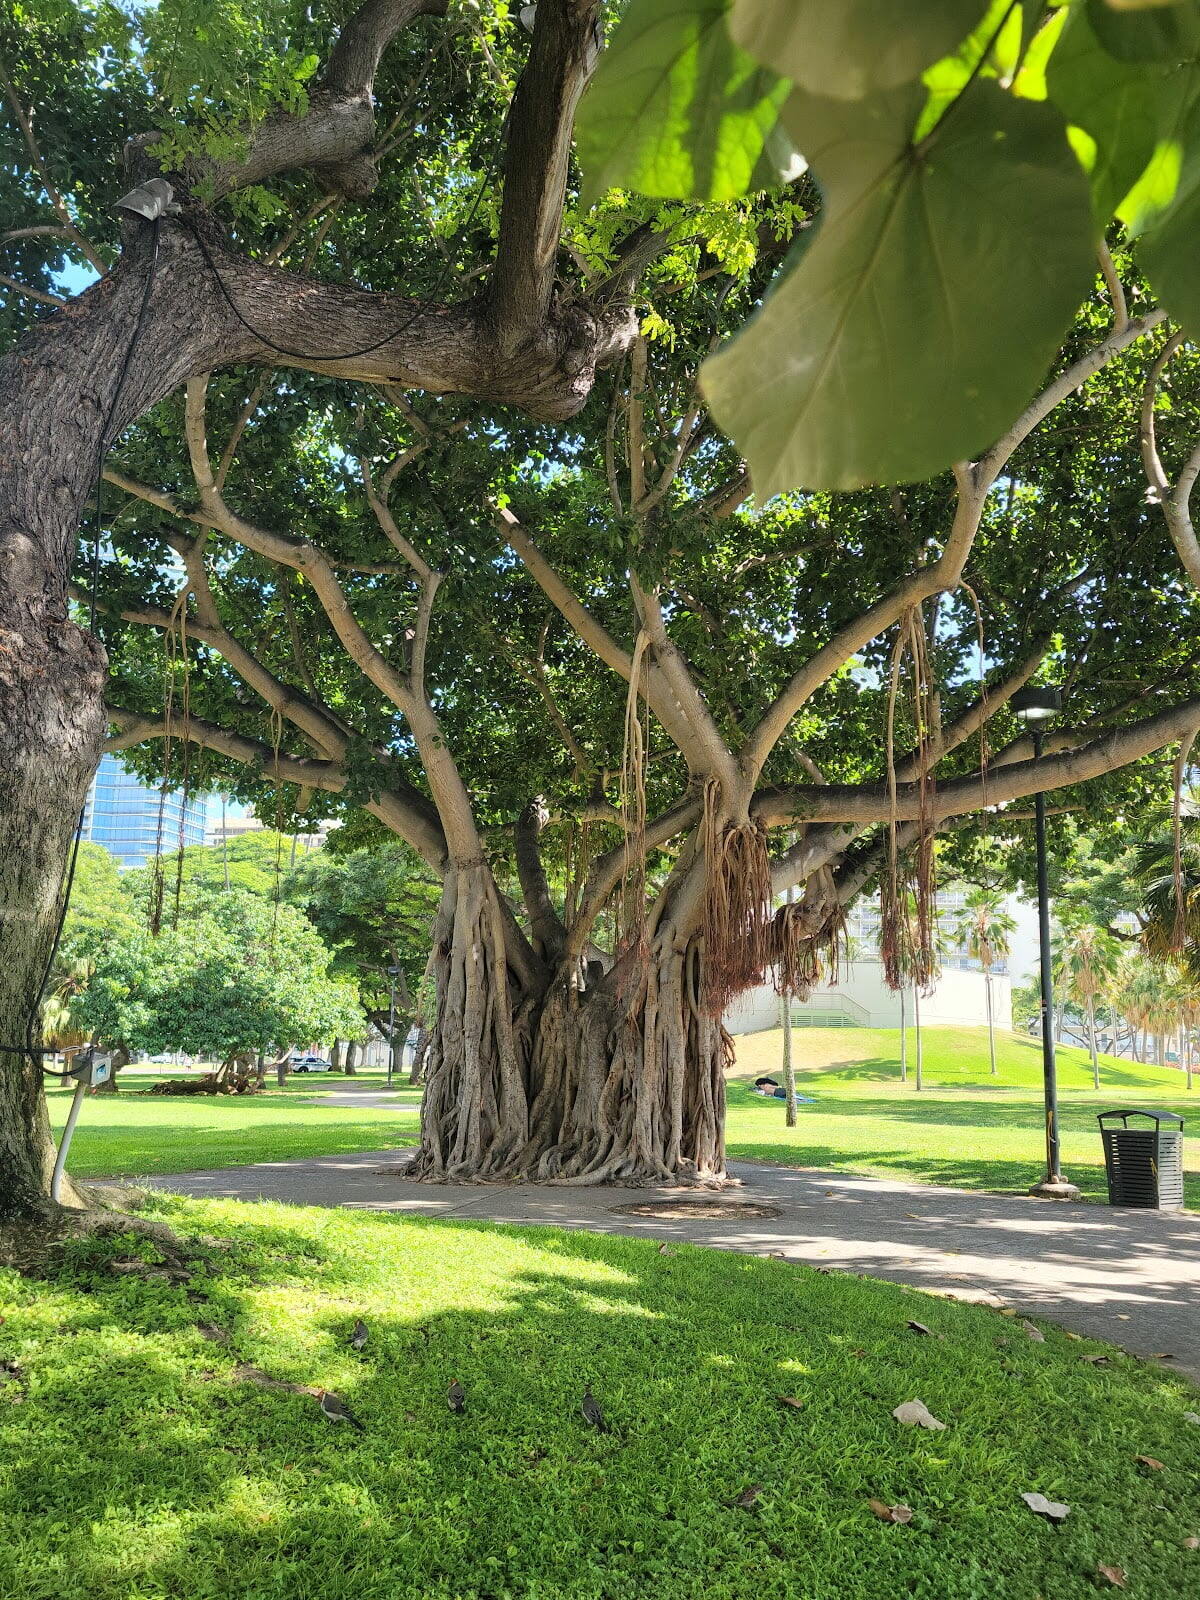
(1036, 706)
(393, 974)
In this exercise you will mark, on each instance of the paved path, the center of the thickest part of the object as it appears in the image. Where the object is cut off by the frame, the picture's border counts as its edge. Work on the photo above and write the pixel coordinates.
(1130, 1277)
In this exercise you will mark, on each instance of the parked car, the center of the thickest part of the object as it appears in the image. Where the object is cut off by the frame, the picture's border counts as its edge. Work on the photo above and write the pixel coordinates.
(311, 1064)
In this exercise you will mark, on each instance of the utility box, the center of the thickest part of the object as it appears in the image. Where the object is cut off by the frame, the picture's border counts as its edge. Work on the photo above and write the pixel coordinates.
(1144, 1164)
(92, 1068)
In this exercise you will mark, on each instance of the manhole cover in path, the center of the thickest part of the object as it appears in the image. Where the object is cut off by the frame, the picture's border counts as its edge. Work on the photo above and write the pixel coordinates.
(682, 1210)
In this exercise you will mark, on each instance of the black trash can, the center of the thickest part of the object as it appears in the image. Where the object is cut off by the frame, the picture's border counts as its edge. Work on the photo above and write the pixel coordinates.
(1144, 1165)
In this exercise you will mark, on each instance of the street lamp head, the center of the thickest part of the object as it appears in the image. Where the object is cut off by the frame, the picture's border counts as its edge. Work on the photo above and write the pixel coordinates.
(393, 972)
(1037, 703)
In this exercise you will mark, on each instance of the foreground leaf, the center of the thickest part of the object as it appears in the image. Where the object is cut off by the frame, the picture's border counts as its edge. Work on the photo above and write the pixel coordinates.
(1114, 1576)
(678, 111)
(791, 1400)
(1053, 1510)
(853, 47)
(920, 318)
(1034, 1333)
(915, 1414)
(1150, 1461)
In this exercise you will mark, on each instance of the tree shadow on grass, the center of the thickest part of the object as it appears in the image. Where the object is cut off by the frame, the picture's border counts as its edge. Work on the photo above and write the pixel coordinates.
(139, 1464)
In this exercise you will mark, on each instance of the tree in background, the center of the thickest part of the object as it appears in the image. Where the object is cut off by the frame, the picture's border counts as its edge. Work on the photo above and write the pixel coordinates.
(226, 984)
(986, 928)
(1086, 961)
(374, 907)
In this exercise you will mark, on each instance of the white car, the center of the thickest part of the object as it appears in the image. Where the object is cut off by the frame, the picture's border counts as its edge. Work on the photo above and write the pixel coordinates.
(311, 1064)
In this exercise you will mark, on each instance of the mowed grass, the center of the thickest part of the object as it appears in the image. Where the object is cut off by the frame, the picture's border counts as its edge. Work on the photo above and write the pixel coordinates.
(965, 1128)
(137, 1462)
(136, 1134)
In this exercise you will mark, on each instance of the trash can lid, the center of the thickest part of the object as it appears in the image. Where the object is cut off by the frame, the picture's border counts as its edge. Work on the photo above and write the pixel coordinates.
(1143, 1111)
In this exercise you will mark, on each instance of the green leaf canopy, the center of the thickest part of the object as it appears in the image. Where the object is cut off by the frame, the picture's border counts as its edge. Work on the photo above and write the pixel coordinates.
(932, 297)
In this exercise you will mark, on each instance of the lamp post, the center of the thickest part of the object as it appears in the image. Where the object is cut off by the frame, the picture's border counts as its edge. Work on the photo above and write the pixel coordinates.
(1036, 706)
(393, 974)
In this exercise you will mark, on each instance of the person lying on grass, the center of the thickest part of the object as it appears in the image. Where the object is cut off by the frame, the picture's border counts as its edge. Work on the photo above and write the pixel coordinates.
(773, 1090)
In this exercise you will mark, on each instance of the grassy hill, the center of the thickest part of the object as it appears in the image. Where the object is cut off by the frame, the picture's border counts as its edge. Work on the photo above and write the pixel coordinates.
(965, 1128)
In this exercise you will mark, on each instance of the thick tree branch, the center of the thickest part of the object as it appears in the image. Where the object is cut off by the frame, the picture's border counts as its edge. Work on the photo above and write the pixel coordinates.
(989, 466)
(1004, 783)
(393, 809)
(566, 42)
(1174, 498)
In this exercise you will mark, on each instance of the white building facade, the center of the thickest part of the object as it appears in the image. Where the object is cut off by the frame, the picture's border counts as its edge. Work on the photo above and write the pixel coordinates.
(861, 998)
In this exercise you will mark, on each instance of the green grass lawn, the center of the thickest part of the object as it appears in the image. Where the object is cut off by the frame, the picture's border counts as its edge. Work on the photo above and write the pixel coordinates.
(136, 1134)
(965, 1128)
(136, 1464)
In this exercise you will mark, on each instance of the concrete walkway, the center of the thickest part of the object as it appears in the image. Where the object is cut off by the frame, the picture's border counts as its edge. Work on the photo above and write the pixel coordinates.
(1129, 1277)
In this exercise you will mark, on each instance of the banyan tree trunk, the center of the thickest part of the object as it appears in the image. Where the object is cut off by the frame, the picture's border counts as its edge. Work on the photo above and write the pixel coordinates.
(618, 1082)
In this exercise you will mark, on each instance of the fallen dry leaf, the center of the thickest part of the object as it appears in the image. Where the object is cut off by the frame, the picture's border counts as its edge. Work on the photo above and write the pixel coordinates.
(887, 1513)
(917, 1327)
(1075, 1336)
(776, 1255)
(1123, 1316)
(1161, 1355)
(1035, 1334)
(1052, 1510)
(791, 1400)
(1191, 1542)
(1007, 1311)
(1096, 1361)
(915, 1413)
(913, 1217)
(1114, 1576)
(748, 1496)
(1149, 1461)
(666, 1250)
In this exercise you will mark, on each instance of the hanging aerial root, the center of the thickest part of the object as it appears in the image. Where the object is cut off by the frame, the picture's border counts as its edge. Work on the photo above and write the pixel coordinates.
(736, 921)
(807, 938)
(907, 894)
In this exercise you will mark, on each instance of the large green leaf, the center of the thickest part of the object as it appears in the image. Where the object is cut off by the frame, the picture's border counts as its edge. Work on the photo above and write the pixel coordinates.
(932, 298)
(1147, 33)
(1117, 103)
(849, 48)
(1167, 250)
(678, 111)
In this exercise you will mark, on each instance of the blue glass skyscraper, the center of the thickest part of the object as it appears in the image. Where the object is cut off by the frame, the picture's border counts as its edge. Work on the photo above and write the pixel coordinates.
(122, 814)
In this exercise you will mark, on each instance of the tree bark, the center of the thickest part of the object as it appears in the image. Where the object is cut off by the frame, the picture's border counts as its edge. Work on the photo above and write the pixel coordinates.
(613, 1077)
(991, 1021)
(351, 1057)
(335, 1056)
(1091, 1027)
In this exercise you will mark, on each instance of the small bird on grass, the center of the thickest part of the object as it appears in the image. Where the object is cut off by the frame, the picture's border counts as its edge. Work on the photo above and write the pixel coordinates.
(336, 1410)
(592, 1414)
(456, 1397)
(359, 1337)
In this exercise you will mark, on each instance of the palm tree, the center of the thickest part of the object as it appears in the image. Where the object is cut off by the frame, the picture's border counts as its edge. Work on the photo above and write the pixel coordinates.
(1085, 959)
(985, 928)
